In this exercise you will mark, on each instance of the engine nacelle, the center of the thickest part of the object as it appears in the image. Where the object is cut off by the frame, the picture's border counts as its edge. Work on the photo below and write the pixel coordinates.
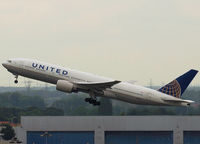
(64, 86)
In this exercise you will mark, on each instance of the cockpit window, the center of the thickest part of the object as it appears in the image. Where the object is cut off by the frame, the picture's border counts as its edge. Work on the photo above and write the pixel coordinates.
(9, 61)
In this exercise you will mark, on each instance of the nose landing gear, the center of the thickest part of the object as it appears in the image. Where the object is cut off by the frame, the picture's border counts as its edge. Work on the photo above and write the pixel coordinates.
(16, 79)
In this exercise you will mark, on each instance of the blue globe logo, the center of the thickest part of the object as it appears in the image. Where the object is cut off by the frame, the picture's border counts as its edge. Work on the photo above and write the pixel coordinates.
(173, 89)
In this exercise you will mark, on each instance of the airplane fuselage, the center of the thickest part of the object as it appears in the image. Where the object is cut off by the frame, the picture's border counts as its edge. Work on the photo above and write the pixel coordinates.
(123, 91)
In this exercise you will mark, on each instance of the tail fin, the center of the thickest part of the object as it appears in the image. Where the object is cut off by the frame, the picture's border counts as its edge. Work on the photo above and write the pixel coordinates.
(177, 87)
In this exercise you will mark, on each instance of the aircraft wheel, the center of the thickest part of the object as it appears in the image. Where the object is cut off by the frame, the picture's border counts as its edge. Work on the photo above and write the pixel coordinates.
(87, 99)
(90, 101)
(93, 101)
(16, 81)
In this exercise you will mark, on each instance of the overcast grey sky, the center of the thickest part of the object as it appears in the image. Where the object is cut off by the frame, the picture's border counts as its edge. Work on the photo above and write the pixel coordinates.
(122, 39)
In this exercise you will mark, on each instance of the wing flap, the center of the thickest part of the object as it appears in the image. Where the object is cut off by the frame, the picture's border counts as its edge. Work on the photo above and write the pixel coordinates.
(97, 85)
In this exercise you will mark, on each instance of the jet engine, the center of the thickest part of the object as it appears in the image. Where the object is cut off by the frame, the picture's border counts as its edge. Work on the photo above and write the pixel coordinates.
(64, 86)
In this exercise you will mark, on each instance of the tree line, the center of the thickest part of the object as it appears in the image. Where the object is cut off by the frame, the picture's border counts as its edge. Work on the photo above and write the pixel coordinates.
(16, 104)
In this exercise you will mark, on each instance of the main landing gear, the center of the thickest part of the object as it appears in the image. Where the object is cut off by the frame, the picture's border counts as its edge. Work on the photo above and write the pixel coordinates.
(92, 101)
(16, 79)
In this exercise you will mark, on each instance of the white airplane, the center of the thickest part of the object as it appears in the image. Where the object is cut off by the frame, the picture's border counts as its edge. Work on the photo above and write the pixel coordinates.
(68, 80)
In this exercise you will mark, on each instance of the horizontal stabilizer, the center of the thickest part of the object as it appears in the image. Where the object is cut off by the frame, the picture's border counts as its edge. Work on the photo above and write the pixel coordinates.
(181, 100)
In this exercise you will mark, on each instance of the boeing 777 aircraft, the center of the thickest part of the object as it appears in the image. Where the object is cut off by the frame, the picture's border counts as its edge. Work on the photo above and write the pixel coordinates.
(68, 80)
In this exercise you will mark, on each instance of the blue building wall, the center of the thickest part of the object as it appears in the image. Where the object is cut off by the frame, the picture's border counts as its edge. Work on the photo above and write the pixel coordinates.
(191, 137)
(60, 138)
(139, 137)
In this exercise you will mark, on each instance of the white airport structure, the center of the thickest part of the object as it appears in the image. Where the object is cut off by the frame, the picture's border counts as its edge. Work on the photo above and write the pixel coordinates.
(109, 130)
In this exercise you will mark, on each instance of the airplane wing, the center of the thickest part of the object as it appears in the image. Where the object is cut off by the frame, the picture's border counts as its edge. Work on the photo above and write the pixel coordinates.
(97, 85)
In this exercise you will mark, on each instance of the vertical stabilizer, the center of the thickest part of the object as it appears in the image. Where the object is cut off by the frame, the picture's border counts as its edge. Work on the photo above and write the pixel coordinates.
(177, 87)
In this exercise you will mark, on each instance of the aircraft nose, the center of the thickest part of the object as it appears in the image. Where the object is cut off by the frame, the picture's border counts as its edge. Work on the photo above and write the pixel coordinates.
(4, 64)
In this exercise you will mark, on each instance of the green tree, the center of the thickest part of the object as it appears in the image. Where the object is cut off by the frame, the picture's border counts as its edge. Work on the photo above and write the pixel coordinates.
(8, 132)
(72, 105)
(150, 110)
(106, 107)
(18, 100)
(52, 112)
